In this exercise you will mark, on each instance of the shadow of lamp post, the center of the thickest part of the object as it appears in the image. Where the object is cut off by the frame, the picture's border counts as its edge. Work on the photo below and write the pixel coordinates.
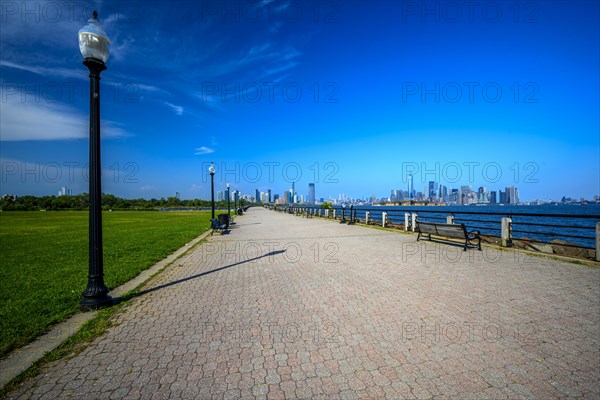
(94, 46)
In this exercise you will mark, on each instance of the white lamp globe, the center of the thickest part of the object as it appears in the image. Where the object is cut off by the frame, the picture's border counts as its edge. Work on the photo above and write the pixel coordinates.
(93, 41)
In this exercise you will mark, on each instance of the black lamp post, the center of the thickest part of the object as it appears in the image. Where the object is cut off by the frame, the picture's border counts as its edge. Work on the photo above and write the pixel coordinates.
(351, 215)
(235, 199)
(211, 170)
(228, 204)
(94, 46)
(343, 213)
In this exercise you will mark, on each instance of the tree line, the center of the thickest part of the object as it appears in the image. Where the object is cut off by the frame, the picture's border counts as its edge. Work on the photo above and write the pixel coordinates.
(109, 202)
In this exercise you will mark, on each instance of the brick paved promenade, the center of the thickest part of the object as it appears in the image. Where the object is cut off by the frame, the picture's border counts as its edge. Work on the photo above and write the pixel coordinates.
(286, 307)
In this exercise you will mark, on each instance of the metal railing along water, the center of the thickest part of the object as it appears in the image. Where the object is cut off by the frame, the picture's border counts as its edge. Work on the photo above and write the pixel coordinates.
(575, 230)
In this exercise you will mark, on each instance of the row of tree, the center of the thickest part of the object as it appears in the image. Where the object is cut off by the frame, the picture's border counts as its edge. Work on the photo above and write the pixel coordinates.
(109, 202)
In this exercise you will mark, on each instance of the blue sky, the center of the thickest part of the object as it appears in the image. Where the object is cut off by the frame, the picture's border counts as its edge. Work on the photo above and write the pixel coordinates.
(351, 95)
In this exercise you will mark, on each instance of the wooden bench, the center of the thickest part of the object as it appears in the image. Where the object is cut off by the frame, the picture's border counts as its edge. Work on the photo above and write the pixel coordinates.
(458, 231)
(214, 224)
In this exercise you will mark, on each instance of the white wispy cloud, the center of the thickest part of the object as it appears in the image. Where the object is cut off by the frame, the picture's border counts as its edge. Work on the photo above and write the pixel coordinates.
(46, 72)
(203, 150)
(31, 120)
(149, 88)
(280, 68)
(178, 109)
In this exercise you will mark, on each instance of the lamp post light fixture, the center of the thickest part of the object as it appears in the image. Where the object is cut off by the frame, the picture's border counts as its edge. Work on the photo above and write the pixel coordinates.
(211, 170)
(228, 204)
(94, 46)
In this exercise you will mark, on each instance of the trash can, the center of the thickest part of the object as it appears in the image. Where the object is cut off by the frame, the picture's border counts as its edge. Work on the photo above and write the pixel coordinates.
(223, 219)
(240, 211)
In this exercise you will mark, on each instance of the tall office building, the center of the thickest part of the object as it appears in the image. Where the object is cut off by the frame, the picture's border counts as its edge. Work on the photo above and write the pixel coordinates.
(443, 193)
(432, 190)
(482, 195)
(512, 195)
(287, 197)
(270, 198)
(257, 195)
(65, 192)
(501, 197)
(292, 194)
(311, 194)
(453, 196)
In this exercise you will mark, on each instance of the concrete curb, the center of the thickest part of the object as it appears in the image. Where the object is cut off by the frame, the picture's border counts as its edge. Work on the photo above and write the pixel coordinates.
(23, 358)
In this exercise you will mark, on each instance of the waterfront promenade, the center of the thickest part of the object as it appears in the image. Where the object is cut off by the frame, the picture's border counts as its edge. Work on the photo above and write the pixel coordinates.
(288, 307)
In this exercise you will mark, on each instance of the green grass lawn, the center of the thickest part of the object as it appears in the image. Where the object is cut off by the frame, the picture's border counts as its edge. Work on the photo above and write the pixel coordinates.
(44, 261)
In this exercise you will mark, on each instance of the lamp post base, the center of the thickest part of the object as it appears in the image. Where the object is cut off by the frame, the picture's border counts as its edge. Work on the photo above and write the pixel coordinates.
(94, 303)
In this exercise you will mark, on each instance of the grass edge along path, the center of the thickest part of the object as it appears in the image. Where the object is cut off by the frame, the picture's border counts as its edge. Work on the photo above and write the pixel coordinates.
(71, 336)
(72, 346)
(43, 261)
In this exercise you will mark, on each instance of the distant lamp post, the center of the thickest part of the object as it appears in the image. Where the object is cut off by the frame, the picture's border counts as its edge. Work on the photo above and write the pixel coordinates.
(94, 46)
(343, 213)
(351, 215)
(211, 170)
(228, 204)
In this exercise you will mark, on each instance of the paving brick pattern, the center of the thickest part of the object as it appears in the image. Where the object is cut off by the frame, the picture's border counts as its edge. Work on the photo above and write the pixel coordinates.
(287, 307)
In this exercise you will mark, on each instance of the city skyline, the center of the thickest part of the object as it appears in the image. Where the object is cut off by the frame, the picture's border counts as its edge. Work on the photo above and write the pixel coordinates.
(463, 195)
(443, 195)
(273, 97)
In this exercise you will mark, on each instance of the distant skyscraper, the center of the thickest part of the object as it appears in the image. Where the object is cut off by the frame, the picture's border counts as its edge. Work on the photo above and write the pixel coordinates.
(432, 190)
(270, 198)
(64, 192)
(482, 195)
(512, 195)
(443, 193)
(454, 196)
(287, 197)
(311, 194)
(502, 197)
(292, 194)
(257, 195)
(493, 199)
